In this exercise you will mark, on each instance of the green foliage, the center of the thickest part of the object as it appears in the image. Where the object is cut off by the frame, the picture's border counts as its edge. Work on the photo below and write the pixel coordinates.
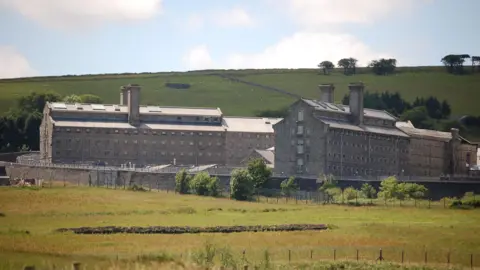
(182, 182)
(390, 188)
(72, 99)
(241, 185)
(273, 113)
(91, 99)
(383, 66)
(454, 63)
(136, 187)
(288, 186)
(468, 201)
(328, 181)
(200, 184)
(259, 171)
(349, 65)
(350, 193)
(368, 191)
(213, 187)
(326, 66)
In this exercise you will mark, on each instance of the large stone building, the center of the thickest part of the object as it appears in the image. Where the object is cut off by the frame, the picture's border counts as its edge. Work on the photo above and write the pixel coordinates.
(143, 135)
(321, 137)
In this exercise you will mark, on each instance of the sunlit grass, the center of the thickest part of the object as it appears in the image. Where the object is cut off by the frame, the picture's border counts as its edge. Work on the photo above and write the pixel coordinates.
(31, 216)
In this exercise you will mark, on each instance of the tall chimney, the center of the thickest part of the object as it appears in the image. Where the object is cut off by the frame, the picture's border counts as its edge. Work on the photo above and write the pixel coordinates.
(327, 92)
(356, 102)
(133, 104)
(124, 95)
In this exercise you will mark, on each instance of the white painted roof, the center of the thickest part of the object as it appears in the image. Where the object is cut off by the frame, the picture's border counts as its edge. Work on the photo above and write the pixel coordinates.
(370, 129)
(157, 110)
(250, 124)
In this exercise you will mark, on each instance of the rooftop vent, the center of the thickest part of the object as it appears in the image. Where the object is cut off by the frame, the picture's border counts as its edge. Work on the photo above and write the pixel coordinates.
(79, 106)
(116, 108)
(61, 106)
(98, 107)
(267, 121)
(153, 109)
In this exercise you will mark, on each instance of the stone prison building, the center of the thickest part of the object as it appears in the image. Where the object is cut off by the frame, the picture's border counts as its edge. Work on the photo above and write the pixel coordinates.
(148, 135)
(321, 137)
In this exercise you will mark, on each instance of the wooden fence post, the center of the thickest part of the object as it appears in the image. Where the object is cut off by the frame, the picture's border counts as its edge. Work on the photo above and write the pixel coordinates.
(471, 261)
(334, 254)
(76, 266)
(311, 254)
(448, 258)
(403, 256)
(426, 257)
(357, 255)
(289, 255)
(30, 267)
(245, 267)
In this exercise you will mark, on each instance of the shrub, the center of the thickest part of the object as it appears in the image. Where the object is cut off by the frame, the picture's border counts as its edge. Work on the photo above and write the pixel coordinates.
(333, 193)
(241, 185)
(136, 187)
(182, 182)
(200, 184)
(213, 187)
(350, 193)
(468, 201)
(288, 186)
(259, 171)
(368, 191)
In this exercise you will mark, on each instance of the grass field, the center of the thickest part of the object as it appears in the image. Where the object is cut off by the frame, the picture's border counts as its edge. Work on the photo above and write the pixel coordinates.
(367, 229)
(241, 99)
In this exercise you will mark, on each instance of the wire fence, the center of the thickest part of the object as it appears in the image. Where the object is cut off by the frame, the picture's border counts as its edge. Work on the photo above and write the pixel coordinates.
(253, 258)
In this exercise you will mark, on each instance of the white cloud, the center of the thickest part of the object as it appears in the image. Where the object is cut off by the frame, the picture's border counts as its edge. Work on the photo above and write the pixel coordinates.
(301, 50)
(321, 13)
(198, 58)
(14, 65)
(195, 22)
(83, 13)
(233, 17)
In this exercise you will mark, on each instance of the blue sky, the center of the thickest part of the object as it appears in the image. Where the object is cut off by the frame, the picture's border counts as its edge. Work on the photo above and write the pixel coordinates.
(57, 37)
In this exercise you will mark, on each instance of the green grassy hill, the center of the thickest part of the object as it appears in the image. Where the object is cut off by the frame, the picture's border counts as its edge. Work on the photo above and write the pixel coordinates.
(236, 98)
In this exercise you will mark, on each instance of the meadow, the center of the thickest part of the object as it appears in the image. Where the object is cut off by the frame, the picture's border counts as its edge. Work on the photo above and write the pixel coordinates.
(29, 218)
(235, 98)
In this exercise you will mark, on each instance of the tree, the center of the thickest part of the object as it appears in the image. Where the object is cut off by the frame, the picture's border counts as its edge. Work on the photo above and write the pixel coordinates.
(389, 188)
(368, 191)
(200, 184)
(419, 118)
(454, 63)
(35, 102)
(72, 99)
(383, 66)
(213, 187)
(288, 186)
(90, 99)
(260, 173)
(390, 102)
(182, 182)
(348, 64)
(326, 66)
(241, 185)
(413, 190)
(279, 113)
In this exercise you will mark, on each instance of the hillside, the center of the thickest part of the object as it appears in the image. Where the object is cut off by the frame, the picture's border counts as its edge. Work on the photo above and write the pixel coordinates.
(210, 88)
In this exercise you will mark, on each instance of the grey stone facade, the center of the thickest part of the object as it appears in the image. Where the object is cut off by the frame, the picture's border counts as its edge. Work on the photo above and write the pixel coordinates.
(319, 137)
(147, 135)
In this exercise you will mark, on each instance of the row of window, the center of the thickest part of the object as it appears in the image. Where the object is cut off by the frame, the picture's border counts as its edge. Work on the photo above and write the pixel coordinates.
(362, 158)
(375, 136)
(107, 153)
(173, 142)
(355, 171)
(135, 132)
(365, 147)
(258, 136)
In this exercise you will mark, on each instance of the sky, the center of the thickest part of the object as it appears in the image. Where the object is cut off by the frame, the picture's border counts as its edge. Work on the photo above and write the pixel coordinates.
(60, 37)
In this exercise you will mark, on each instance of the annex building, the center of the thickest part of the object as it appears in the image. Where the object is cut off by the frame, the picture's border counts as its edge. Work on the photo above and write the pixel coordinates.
(321, 137)
(147, 135)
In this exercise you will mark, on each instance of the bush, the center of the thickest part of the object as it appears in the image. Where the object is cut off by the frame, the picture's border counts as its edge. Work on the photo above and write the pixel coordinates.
(368, 191)
(288, 186)
(136, 187)
(213, 187)
(350, 193)
(468, 201)
(200, 184)
(259, 171)
(182, 182)
(241, 185)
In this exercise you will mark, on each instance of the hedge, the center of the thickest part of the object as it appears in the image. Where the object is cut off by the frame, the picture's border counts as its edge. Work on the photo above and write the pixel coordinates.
(187, 229)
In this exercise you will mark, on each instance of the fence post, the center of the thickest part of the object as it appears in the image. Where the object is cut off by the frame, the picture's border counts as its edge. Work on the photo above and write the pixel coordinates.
(380, 255)
(471, 261)
(311, 254)
(444, 203)
(76, 266)
(289, 255)
(357, 255)
(429, 201)
(334, 254)
(448, 258)
(426, 257)
(403, 255)
(30, 267)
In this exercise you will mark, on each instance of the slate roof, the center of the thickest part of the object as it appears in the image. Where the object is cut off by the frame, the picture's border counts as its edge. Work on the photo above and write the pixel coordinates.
(345, 109)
